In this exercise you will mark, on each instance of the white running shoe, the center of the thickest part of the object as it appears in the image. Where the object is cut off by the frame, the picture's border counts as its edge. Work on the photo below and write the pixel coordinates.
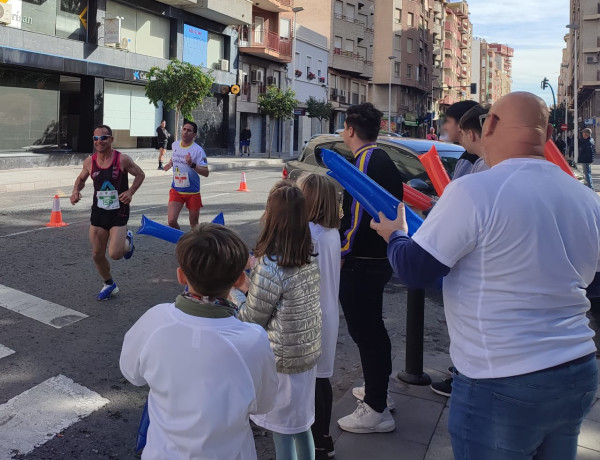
(359, 393)
(366, 420)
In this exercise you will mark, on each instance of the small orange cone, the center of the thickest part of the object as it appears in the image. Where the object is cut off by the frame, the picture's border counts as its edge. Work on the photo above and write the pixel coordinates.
(243, 184)
(56, 216)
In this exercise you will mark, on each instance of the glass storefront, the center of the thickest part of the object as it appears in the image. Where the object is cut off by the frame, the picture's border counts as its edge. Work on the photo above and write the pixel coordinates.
(61, 18)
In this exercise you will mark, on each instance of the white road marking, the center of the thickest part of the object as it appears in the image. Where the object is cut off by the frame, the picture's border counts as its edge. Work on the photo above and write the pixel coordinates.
(41, 310)
(5, 351)
(38, 414)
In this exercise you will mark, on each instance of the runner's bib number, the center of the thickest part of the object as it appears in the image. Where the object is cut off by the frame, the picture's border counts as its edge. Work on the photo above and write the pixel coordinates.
(108, 199)
(181, 179)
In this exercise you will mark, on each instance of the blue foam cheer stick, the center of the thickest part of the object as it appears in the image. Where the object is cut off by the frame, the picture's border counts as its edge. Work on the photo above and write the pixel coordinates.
(164, 232)
(372, 196)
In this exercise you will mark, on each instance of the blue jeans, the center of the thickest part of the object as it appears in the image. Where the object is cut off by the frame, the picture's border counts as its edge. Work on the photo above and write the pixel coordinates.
(531, 416)
(587, 174)
(294, 446)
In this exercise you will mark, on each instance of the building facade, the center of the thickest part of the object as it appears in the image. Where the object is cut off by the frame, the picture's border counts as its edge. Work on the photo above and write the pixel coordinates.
(491, 71)
(69, 66)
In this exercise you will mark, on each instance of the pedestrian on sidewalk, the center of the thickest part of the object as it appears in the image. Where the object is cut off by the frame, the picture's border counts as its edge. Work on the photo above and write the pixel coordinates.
(189, 163)
(587, 150)
(365, 272)
(432, 136)
(452, 131)
(207, 371)
(283, 297)
(324, 222)
(245, 137)
(109, 170)
(516, 271)
(162, 138)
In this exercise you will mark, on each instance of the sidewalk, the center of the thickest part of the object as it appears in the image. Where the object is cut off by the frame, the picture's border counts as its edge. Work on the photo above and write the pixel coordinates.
(422, 419)
(62, 170)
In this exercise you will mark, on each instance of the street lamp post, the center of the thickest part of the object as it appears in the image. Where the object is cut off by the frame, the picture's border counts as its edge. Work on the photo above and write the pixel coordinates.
(566, 110)
(392, 59)
(574, 28)
(291, 70)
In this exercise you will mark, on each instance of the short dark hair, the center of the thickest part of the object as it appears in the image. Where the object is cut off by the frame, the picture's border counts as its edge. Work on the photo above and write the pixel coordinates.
(365, 119)
(191, 123)
(470, 120)
(212, 257)
(106, 127)
(458, 109)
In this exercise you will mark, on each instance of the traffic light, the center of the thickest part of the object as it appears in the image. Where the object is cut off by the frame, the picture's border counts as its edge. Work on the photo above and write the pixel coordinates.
(473, 88)
(545, 83)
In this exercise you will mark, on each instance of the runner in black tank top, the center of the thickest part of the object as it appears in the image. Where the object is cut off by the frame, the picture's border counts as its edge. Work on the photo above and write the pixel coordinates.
(109, 183)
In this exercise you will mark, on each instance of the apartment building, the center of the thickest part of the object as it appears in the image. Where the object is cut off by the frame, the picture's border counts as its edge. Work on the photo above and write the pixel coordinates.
(69, 66)
(405, 55)
(457, 54)
(563, 94)
(265, 48)
(491, 71)
(349, 28)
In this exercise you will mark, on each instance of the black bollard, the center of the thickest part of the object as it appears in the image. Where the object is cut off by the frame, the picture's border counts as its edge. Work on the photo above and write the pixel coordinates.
(415, 324)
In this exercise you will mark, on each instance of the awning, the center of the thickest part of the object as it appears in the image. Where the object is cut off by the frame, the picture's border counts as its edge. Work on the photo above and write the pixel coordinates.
(410, 123)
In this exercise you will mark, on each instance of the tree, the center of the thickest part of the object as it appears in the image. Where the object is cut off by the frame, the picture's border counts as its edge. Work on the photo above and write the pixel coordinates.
(276, 104)
(180, 86)
(559, 113)
(321, 110)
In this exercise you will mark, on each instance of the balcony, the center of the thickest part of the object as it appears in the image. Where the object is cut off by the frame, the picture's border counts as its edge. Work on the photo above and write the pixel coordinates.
(437, 8)
(447, 44)
(268, 45)
(351, 62)
(437, 29)
(450, 27)
(275, 6)
(234, 12)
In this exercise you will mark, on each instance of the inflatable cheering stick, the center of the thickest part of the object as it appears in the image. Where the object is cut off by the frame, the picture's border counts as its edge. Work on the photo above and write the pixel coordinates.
(416, 199)
(552, 154)
(372, 196)
(164, 232)
(435, 170)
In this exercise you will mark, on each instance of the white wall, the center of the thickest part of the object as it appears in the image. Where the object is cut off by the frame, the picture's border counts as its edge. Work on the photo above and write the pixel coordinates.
(313, 45)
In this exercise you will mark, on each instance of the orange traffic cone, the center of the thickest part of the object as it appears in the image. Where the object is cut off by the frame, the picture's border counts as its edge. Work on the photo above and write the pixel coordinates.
(243, 184)
(56, 216)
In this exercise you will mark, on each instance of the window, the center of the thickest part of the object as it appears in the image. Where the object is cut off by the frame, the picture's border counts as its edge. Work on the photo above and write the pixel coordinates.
(339, 9)
(284, 28)
(397, 42)
(215, 50)
(397, 69)
(362, 52)
(411, 20)
(349, 11)
(298, 61)
(308, 64)
(319, 68)
(363, 19)
(337, 43)
(409, 45)
(349, 46)
(409, 71)
(398, 16)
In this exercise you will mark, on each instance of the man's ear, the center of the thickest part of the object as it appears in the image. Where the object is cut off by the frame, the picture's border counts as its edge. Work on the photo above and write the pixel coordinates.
(181, 278)
(549, 132)
(489, 127)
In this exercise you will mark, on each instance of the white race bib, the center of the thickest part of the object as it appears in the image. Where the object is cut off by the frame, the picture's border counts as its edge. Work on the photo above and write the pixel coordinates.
(181, 179)
(108, 199)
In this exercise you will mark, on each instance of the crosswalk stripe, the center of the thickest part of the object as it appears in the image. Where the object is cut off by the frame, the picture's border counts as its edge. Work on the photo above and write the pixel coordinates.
(39, 309)
(38, 414)
(5, 351)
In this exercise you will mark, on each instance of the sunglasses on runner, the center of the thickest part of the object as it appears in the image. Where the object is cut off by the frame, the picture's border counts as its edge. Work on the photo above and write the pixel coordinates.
(101, 138)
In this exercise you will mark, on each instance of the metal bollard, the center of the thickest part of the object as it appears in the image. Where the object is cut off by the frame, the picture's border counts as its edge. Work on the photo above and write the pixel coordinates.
(415, 324)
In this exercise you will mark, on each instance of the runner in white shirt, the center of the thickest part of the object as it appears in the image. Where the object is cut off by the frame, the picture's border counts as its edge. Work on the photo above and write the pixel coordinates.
(188, 163)
(519, 244)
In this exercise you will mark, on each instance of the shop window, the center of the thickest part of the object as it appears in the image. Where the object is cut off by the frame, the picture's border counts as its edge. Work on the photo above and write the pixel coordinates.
(215, 51)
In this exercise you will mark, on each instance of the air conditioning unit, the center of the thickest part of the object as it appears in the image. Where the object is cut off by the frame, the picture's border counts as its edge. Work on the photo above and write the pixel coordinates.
(5, 13)
(224, 65)
(342, 92)
(334, 93)
(591, 59)
(256, 76)
(124, 43)
(270, 80)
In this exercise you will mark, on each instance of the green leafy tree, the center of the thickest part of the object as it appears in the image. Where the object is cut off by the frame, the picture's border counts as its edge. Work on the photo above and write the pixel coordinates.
(181, 86)
(276, 104)
(321, 110)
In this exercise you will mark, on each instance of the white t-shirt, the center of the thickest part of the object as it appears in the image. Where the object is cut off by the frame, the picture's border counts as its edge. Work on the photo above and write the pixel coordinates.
(185, 179)
(523, 242)
(327, 247)
(206, 377)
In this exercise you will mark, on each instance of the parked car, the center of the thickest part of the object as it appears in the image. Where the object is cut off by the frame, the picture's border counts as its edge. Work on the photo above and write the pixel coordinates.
(403, 151)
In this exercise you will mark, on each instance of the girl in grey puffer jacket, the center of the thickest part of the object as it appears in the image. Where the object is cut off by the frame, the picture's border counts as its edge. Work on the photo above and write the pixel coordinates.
(283, 297)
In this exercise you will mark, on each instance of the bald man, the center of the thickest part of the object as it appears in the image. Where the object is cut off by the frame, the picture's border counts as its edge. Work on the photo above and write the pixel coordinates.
(518, 245)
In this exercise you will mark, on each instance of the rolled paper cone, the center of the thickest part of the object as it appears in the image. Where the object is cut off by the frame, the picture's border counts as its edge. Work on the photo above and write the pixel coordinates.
(416, 199)
(435, 170)
(552, 154)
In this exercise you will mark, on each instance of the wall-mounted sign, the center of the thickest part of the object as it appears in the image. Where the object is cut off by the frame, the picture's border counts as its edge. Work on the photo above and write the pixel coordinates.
(112, 31)
(195, 45)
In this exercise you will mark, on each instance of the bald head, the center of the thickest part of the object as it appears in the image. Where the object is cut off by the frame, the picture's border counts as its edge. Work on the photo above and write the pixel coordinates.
(517, 127)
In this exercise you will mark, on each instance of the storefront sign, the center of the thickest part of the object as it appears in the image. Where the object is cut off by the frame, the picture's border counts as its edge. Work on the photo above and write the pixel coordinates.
(140, 75)
(195, 45)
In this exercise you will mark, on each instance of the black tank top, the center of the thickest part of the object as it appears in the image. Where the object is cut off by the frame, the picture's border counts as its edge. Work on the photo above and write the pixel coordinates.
(107, 181)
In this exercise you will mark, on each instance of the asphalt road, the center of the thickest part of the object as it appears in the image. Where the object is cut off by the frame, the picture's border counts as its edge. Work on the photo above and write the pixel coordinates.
(54, 264)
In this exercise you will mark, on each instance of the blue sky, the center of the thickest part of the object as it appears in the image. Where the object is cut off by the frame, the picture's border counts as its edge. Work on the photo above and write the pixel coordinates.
(534, 28)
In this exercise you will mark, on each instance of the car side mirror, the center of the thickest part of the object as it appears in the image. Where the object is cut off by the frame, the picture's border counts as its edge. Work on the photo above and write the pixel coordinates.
(421, 186)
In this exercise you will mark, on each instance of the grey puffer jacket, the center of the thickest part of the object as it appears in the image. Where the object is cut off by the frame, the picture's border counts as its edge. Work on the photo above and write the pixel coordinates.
(285, 301)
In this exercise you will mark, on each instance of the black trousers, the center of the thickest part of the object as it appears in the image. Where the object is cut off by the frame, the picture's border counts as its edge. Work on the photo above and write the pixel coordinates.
(323, 407)
(361, 294)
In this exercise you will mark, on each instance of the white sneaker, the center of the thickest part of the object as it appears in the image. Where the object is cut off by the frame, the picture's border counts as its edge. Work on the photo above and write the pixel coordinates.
(359, 393)
(366, 420)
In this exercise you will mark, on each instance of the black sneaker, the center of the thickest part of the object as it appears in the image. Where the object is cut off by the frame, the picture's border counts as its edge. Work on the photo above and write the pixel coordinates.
(327, 451)
(443, 388)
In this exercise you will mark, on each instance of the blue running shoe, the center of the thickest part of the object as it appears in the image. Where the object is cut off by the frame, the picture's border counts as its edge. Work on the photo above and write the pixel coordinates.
(130, 238)
(107, 291)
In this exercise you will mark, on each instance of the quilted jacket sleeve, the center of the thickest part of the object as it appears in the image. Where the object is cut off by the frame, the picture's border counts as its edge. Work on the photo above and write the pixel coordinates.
(265, 291)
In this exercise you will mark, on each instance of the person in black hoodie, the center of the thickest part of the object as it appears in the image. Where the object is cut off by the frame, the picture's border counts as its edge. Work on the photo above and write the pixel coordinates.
(452, 129)
(587, 150)
(365, 272)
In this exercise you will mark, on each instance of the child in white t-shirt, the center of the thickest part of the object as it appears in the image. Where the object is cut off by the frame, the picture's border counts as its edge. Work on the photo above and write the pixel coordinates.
(207, 371)
(324, 222)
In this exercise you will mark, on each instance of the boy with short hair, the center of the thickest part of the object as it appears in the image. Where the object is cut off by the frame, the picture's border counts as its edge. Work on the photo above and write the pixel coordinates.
(470, 126)
(207, 370)
(452, 130)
